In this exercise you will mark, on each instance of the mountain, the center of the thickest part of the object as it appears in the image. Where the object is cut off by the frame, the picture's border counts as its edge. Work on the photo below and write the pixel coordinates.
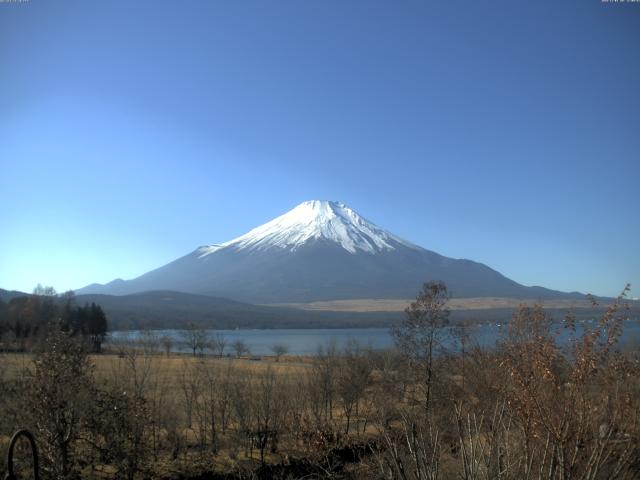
(320, 250)
(8, 295)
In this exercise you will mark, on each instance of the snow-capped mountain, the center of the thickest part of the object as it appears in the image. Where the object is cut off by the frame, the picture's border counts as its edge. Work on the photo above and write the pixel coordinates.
(320, 250)
(312, 221)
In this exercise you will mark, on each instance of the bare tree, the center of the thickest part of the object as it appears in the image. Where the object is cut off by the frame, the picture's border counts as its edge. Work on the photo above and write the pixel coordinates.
(240, 347)
(148, 342)
(269, 407)
(219, 344)
(167, 343)
(419, 333)
(132, 370)
(243, 412)
(59, 395)
(206, 404)
(189, 389)
(414, 452)
(224, 394)
(279, 349)
(157, 400)
(117, 431)
(353, 379)
(196, 338)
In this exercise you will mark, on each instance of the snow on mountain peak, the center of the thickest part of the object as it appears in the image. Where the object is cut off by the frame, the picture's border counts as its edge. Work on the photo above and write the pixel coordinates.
(315, 220)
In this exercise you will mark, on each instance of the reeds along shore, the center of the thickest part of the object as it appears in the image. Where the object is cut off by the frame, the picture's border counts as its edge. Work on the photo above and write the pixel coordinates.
(527, 409)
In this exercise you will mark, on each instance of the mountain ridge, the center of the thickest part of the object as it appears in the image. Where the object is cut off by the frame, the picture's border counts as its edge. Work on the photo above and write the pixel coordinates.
(318, 251)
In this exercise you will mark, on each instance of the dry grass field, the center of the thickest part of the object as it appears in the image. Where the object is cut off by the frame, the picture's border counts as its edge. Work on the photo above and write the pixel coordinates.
(395, 305)
(180, 391)
(170, 367)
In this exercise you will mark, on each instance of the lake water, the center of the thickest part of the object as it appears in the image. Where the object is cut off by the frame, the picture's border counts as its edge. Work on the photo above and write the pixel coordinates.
(307, 341)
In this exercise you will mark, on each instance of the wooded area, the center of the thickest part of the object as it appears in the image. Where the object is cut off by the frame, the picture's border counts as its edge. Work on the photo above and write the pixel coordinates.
(529, 408)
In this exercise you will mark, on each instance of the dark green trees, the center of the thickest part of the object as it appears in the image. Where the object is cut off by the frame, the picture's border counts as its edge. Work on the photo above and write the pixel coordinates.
(25, 320)
(89, 321)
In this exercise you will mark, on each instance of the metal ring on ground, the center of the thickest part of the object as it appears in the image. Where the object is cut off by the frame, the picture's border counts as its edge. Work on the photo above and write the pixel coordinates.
(34, 450)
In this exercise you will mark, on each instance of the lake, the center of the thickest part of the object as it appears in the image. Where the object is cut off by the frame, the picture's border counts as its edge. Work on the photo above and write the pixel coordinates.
(307, 341)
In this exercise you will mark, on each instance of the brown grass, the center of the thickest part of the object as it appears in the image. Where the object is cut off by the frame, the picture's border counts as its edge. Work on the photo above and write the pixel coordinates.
(398, 305)
(171, 366)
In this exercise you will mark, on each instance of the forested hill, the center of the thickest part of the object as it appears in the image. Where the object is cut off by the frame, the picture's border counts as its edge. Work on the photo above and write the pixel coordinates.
(168, 309)
(175, 310)
(7, 295)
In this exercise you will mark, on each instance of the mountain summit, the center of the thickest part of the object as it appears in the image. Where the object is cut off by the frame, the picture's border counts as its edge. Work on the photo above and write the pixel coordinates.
(312, 221)
(320, 250)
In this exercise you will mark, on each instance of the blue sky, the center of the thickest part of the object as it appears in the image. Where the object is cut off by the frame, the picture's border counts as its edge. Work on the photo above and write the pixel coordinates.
(507, 132)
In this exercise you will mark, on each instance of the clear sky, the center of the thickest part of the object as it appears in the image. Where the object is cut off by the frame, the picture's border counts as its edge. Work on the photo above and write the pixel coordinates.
(506, 132)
